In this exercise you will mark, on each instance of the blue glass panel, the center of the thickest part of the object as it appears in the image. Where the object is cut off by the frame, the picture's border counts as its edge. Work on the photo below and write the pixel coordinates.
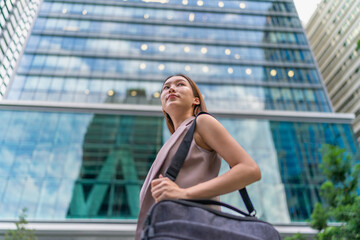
(88, 65)
(108, 10)
(226, 96)
(298, 150)
(294, 149)
(139, 48)
(56, 172)
(48, 158)
(173, 31)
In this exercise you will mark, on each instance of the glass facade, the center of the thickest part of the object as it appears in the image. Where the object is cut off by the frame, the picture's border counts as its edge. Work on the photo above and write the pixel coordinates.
(246, 56)
(16, 18)
(56, 172)
(81, 165)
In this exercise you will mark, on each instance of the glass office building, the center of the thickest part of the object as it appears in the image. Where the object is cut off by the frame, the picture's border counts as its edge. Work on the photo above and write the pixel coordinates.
(16, 19)
(81, 122)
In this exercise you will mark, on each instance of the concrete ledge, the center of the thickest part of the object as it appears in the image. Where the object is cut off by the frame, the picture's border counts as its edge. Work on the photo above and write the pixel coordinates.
(111, 230)
(76, 230)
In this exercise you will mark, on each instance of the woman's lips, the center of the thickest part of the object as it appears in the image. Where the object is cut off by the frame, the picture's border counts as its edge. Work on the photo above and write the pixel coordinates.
(172, 96)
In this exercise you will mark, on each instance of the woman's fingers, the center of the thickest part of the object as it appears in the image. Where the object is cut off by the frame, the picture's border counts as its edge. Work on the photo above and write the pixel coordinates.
(160, 185)
(157, 181)
(163, 188)
(157, 187)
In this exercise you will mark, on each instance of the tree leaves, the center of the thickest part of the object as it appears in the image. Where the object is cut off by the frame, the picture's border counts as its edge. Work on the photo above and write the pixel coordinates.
(20, 233)
(341, 202)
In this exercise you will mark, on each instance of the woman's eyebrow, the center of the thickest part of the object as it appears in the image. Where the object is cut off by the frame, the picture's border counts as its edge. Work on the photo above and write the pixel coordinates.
(176, 80)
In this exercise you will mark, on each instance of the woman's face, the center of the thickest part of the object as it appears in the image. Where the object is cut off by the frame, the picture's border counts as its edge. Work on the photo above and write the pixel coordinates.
(177, 92)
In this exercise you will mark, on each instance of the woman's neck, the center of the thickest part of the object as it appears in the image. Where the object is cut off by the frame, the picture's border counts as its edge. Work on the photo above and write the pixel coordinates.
(178, 119)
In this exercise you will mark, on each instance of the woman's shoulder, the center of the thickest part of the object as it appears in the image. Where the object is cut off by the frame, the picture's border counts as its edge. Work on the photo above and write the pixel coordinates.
(207, 127)
(206, 121)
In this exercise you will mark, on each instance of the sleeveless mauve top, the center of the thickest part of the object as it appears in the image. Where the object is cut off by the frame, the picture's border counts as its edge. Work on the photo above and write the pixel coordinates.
(199, 166)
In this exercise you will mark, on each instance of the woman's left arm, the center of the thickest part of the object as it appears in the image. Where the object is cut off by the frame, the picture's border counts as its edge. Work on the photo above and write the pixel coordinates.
(211, 135)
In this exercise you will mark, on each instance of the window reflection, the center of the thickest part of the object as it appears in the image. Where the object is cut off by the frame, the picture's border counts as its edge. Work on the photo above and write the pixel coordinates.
(51, 177)
(203, 50)
(251, 5)
(161, 67)
(162, 48)
(291, 73)
(86, 65)
(51, 187)
(191, 17)
(173, 31)
(248, 71)
(218, 96)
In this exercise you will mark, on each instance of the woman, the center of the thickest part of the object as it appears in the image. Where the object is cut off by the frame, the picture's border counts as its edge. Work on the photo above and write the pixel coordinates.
(181, 101)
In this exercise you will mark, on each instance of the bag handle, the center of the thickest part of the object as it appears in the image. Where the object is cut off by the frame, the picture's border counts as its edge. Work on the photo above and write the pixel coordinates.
(217, 203)
(178, 160)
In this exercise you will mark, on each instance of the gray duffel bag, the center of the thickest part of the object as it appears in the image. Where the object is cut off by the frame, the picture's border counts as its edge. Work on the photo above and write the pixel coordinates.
(191, 219)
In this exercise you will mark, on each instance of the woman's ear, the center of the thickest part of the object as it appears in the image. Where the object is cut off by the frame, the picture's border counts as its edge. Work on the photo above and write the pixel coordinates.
(196, 101)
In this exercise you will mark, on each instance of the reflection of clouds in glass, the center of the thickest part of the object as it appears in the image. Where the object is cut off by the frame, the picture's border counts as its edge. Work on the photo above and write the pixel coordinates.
(64, 197)
(48, 199)
(56, 197)
(38, 167)
(16, 132)
(268, 195)
(115, 46)
(230, 97)
(21, 164)
(55, 163)
(255, 97)
(43, 172)
(230, 18)
(11, 197)
(45, 43)
(72, 164)
(31, 194)
(7, 156)
(81, 63)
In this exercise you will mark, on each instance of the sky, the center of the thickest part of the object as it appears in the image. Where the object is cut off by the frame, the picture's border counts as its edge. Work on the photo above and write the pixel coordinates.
(305, 9)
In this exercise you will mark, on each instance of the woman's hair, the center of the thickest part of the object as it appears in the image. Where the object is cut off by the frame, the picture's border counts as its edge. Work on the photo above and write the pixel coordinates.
(197, 108)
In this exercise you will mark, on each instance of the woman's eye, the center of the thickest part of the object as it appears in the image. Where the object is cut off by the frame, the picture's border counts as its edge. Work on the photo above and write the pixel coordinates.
(165, 87)
(181, 84)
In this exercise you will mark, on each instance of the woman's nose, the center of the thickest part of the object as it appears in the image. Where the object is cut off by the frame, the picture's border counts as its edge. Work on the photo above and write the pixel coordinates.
(171, 89)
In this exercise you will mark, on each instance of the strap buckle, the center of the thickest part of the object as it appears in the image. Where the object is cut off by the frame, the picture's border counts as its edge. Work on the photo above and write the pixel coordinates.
(170, 174)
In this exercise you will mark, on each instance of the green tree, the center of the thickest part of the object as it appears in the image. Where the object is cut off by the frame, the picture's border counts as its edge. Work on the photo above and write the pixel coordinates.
(297, 236)
(358, 45)
(341, 202)
(21, 233)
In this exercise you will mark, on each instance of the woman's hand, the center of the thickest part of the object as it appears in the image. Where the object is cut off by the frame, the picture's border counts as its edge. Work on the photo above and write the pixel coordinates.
(163, 188)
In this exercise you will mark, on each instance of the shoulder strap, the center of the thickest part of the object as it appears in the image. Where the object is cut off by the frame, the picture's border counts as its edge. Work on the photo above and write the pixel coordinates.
(178, 160)
(179, 157)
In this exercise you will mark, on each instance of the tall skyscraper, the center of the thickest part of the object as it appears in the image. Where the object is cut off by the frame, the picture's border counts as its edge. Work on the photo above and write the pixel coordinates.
(81, 122)
(16, 19)
(333, 32)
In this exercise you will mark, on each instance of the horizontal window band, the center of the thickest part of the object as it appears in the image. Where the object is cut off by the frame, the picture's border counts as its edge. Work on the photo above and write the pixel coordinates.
(171, 40)
(188, 8)
(148, 110)
(160, 79)
(174, 24)
(172, 59)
